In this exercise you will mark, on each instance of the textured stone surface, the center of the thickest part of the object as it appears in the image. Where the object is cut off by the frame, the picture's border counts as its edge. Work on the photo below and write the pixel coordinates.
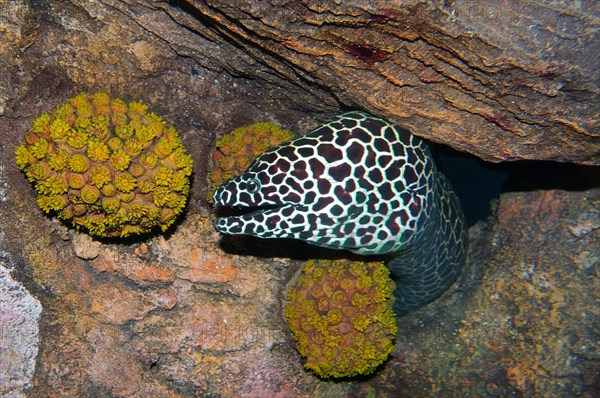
(19, 334)
(513, 80)
(505, 82)
(522, 319)
(183, 315)
(179, 316)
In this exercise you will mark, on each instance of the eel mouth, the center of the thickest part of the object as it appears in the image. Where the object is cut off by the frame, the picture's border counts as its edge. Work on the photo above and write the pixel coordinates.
(244, 220)
(238, 211)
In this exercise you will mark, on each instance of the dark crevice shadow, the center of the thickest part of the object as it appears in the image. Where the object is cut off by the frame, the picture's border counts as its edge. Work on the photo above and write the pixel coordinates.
(543, 175)
(477, 183)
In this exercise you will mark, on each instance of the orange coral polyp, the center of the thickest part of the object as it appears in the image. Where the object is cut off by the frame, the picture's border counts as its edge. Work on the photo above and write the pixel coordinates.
(163, 148)
(98, 151)
(125, 182)
(24, 157)
(120, 160)
(89, 194)
(59, 130)
(76, 181)
(42, 124)
(79, 163)
(99, 175)
(137, 110)
(118, 106)
(77, 139)
(133, 147)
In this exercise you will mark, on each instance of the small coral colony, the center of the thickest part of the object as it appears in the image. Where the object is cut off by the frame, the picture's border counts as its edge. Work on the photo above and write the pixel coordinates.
(110, 168)
(114, 169)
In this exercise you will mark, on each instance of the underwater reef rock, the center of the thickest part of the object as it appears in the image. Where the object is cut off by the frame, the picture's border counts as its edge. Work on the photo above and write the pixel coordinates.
(19, 334)
(522, 318)
(180, 316)
(504, 81)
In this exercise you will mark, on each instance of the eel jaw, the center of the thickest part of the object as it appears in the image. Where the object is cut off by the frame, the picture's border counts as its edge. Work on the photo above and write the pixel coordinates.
(238, 224)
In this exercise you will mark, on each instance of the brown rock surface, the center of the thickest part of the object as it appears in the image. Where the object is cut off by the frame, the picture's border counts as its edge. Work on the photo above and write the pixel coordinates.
(520, 321)
(179, 316)
(116, 323)
(509, 80)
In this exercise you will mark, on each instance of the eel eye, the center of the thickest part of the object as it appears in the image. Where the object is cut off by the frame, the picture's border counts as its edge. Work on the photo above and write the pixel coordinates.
(252, 186)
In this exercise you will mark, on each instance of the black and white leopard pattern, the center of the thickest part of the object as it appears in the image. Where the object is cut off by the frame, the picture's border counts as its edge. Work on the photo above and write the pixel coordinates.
(358, 183)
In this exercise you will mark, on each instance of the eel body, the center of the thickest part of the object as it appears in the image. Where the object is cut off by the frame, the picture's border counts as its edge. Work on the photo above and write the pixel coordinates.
(362, 184)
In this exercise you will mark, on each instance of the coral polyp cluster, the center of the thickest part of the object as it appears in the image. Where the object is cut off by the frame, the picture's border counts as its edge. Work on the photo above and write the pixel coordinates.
(109, 167)
(340, 313)
(235, 151)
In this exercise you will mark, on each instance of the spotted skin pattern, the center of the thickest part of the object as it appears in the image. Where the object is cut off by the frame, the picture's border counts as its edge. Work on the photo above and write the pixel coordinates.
(362, 184)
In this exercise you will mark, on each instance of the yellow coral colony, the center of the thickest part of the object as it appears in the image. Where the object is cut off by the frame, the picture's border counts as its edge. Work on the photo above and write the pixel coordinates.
(235, 151)
(109, 167)
(340, 313)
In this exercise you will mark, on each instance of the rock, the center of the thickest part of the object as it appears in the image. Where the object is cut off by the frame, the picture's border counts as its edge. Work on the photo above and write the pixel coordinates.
(19, 334)
(84, 246)
(190, 314)
(528, 278)
(447, 71)
(521, 319)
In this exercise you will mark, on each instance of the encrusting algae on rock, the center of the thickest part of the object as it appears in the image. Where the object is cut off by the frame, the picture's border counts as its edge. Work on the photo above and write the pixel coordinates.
(109, 167)
(340, 313)
(235, 151)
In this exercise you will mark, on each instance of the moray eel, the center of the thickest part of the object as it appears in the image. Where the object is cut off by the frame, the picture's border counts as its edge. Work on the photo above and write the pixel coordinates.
(362, 184)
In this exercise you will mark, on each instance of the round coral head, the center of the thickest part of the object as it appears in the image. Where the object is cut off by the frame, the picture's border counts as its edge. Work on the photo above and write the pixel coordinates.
(340, 313)
(235, 151)
(93, 162)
